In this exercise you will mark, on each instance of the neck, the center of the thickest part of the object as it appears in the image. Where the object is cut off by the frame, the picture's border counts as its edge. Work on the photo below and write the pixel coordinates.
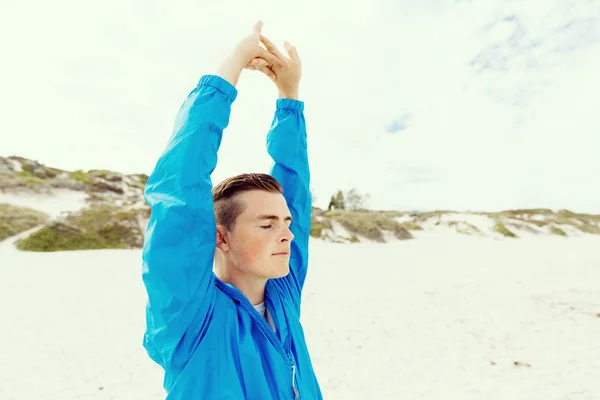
(251, 286)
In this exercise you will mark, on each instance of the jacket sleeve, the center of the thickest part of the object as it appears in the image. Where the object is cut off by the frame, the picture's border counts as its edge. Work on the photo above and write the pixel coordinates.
(287, 146)
(180, 239)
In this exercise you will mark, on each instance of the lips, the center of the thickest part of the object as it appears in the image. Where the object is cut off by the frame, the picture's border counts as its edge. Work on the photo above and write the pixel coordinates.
(282, 253)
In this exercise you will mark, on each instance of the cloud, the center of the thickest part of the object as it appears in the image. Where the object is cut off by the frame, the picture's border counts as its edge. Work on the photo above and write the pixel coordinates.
(398, 125)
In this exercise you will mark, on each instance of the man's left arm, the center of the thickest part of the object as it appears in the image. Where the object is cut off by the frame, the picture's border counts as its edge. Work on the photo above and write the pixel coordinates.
(287, 146)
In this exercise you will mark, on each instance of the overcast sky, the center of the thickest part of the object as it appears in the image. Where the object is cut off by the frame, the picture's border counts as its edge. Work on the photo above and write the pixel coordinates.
(424, 105)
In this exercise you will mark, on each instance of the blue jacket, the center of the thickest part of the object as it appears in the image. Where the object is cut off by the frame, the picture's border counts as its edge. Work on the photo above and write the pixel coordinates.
(206, 335)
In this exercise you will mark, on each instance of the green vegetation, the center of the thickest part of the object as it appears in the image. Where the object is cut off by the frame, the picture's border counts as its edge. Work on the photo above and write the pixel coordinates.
(434, 213)
(141, 181)
(102, 227)
(557, 231)
(589, 228)
(34, 175)
(526, 211)
(372, 224)
(468, 229)
(31, 180)
(586, 223)
(108, 225)
(411, 226)
(80, 176)
(143, 178)
(33, 168)
(524, 227)
(14, 220)
(464, 228)
(369, 224)
(317, 227)
(503, 230)
(535, 222)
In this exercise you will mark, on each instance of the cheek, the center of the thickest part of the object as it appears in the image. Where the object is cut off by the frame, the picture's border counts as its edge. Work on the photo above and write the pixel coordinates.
(254, 248)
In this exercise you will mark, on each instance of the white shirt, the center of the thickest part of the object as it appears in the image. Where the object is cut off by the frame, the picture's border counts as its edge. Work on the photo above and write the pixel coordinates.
(262, 310)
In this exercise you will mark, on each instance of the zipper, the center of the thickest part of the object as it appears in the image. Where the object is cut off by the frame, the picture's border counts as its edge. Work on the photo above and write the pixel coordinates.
(296, 394)
(287, 345)
(245, 303)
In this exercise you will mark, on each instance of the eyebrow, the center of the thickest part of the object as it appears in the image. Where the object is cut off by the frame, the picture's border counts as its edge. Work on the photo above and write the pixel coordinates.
(274, 217)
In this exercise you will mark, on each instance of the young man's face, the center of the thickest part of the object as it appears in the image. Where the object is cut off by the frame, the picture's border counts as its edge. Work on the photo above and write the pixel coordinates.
(259, 242)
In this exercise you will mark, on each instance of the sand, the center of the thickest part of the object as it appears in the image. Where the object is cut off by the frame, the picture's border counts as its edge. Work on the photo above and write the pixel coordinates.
(55, 204)
(443, 316)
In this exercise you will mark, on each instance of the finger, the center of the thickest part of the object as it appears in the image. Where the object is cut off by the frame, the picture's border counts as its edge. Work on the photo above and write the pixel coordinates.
(258, 62)
(291, 50)
(257, 28)
(269, 72)
(272, 48)
(272, 59)
(251, 65)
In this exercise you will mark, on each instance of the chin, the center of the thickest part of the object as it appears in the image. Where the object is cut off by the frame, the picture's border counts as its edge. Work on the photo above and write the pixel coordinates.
(280, 271)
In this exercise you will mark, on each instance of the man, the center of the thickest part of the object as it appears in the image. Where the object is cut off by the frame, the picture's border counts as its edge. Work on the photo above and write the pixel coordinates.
(232, 332)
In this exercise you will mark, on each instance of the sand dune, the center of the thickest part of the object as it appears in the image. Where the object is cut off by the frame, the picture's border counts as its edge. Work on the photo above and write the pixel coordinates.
(61, 201)
(445, 316)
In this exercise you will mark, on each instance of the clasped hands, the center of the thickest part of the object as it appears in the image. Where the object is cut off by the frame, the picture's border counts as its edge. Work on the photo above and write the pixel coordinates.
(284, 71)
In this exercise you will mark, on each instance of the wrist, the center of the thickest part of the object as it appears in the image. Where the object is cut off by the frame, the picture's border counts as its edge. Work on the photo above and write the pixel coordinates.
(230, 69)
(289, 94)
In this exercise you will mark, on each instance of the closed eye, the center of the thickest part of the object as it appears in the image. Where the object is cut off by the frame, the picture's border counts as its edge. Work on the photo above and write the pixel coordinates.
(266, 226)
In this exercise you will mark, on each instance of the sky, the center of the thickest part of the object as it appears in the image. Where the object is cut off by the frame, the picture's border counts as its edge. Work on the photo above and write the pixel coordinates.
(440, 104)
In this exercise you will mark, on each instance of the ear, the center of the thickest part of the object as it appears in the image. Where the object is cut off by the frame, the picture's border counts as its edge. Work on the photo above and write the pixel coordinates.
(221, 239)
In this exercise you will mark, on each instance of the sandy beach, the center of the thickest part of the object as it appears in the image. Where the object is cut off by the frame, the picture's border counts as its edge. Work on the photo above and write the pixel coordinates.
(442, 316)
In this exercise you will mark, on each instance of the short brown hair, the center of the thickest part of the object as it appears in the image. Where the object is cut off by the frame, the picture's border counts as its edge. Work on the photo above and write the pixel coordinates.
(226, 204)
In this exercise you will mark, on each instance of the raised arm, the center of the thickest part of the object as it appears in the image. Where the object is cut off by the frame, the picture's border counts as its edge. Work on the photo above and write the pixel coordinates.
(181, 234)
(180, 240)
(287, 146)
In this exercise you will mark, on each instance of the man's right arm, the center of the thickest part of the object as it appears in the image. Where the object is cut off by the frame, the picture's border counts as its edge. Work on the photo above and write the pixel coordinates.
(180, 240)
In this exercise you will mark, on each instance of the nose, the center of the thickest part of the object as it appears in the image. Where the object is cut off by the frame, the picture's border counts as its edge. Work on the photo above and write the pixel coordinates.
(287, 235)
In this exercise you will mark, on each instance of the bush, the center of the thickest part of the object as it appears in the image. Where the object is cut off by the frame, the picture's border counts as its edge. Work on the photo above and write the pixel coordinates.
(353, 201)
(102, 227)
(14, 220)
(356, 201)
(589, 228)
(411, 226)
(316, 229)
(80, 176)
(500, 228)
(370, 225)
(557, 231)
(467, 229)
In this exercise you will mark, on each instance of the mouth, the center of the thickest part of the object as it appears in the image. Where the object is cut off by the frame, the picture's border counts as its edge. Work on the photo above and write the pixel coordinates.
(282, 253)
